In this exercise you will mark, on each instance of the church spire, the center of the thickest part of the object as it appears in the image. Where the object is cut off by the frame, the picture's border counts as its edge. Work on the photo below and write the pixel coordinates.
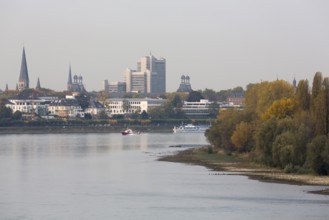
(69, 81)
(23, 81)
(38, 84)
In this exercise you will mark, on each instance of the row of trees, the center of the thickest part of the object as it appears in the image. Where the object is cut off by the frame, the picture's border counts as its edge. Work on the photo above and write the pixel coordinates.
(281, 126)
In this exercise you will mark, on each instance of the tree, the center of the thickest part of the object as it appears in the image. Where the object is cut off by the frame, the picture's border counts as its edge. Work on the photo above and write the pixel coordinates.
(195, 96)
(5, 112)
(17, 115)
(303, 97)
(210, 95)
(242, 137)
(102, 115)
(88, 116)
(83, 100)
(317, 83)
(315, 159)
(144, 115)
(281, 108)
(283, 149)
(260, 96)
(177, 101)
(219, 134)
(264, 139)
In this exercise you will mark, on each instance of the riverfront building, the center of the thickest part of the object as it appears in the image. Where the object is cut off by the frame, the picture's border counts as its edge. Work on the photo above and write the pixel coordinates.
(118, 106)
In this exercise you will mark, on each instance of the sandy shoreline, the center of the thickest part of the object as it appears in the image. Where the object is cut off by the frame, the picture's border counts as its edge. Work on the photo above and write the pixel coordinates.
(240, 166)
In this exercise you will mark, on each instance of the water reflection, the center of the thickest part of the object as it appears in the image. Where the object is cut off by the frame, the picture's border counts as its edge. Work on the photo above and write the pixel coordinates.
(110, 176)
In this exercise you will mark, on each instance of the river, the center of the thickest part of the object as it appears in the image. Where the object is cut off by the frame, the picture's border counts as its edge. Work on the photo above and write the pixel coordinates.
(110, 176)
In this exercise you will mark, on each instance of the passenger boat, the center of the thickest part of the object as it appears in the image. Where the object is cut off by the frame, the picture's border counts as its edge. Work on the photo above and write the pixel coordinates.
(129, 132)
(190, 128)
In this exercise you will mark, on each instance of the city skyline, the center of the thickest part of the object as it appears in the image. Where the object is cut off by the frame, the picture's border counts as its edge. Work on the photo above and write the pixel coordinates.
(219, 44)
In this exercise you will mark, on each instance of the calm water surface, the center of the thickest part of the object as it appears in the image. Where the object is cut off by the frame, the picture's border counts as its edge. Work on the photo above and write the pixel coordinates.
(110, 176)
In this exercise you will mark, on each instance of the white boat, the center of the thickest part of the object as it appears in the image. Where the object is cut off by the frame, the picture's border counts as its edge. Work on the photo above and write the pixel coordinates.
(190, 128)
(129, 132)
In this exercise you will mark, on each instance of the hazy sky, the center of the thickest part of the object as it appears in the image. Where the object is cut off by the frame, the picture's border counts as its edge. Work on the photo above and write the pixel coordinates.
(219, 44)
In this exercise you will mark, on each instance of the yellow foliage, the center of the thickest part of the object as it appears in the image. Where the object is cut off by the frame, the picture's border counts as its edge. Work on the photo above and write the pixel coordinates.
(280, 109)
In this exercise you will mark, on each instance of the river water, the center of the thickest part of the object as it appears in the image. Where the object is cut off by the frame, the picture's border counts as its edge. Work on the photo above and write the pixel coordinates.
(110, 176)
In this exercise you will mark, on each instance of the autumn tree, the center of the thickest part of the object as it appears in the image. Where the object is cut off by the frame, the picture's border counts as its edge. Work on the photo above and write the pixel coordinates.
(260, 96)
(281, 108)
(242, 137)
(303, 96)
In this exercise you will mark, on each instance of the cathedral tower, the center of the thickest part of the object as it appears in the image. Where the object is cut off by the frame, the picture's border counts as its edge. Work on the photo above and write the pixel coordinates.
(23, 81)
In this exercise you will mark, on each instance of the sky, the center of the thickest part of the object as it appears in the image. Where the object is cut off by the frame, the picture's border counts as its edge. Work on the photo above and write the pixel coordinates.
(220, 44)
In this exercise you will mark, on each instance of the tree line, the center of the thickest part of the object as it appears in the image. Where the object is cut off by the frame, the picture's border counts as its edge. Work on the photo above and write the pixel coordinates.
(281, 126)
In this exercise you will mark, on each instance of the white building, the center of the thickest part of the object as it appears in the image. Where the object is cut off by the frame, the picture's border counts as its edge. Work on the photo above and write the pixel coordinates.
(149, 78)
(197, 109)
(66, 108)
(119, 106)
(94, 108)
(26, 105)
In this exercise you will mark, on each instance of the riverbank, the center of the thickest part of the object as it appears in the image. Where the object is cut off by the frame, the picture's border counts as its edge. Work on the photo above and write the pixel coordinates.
(240, 165)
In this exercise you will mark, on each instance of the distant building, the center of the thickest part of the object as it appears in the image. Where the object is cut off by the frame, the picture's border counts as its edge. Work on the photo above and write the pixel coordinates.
(94, 108)
(185, 85)
(197, 109)
(149, 78)
(23, 80)
(119, 106)
(75, 85)
(236, 99)
(66, 108)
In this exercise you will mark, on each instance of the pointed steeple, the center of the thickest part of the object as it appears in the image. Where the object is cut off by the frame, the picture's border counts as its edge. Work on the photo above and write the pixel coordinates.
(69, 81)
(23, 81)
(38, 84)
(6, 87)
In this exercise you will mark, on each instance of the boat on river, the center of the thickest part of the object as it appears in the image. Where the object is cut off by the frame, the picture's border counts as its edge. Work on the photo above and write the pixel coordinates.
(129, 132)
(190, 128)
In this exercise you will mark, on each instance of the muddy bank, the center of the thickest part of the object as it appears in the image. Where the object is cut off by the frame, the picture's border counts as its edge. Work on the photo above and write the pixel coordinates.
(240, 165)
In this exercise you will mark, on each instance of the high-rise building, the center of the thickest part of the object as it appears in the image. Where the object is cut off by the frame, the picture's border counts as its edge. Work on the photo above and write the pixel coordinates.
(149, 78)
(23, 80)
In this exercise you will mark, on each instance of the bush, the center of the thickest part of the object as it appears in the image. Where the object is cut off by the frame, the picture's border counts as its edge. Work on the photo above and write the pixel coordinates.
(210, 150)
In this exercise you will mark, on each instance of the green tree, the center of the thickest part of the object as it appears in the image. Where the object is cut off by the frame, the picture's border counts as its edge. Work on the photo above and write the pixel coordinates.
(317, 84)
(283, 149)
(315, 159)
(264, 138)
(5, 112)
(195, 96)
(303, 96)
(102, 115)
(210, 95)
(177, 101)
(83, 100)
(144, 115)
(17, 115)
